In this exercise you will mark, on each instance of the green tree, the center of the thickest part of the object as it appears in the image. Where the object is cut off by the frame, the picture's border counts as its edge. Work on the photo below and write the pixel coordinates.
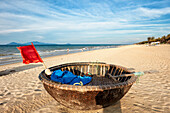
(149, 39)
(152, 38)
(159, 39)
(168, 42)
(168, 37)
(163, 39)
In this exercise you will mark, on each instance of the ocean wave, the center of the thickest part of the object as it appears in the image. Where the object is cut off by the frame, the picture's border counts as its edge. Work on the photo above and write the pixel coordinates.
(9, 58)
(50, 51)
(5, 54)
(16, 53)
(9, 54)
(13, 55)
(75, 49)
(57, 51)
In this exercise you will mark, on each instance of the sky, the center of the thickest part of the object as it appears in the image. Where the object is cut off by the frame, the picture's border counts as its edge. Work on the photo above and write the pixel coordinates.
(83, 21)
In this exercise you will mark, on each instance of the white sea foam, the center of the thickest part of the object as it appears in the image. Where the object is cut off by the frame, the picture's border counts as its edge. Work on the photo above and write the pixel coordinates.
(11, 54)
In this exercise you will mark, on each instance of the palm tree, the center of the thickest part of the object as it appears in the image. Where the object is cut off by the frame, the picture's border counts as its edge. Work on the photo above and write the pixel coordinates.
(152, 38)
(163, 39)
(149, 39)
(167, 37)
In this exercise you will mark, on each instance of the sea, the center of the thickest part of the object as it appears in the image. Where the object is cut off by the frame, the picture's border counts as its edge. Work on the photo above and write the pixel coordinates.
(10, 54)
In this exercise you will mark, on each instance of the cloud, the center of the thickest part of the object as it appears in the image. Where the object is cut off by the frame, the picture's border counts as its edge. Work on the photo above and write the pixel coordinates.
(39, 37)
(83, 18)
(152, 13)
(13, 31)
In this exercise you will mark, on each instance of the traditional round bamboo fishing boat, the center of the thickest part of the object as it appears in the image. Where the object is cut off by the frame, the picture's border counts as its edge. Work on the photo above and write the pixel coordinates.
(106, 88)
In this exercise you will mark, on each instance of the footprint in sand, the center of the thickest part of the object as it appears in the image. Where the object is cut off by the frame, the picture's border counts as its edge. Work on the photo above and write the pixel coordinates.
(37, 90)
(2, 94)
(2, 103)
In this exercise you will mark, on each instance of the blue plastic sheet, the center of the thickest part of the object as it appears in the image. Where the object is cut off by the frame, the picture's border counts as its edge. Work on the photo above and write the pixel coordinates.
(67, 77)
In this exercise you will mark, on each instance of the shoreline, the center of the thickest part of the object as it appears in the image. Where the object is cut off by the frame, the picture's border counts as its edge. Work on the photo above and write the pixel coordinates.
(34, 65)
(53, 55)
(20, 63)
(22, 91)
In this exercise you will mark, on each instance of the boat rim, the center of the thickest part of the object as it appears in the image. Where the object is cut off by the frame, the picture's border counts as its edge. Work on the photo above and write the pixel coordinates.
(53, 84)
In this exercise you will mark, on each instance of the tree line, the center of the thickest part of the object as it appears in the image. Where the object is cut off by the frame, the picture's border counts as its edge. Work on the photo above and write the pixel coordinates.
(163, 40)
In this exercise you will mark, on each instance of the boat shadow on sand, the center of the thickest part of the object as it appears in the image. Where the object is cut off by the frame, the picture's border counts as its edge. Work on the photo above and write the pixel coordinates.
(18, 69)
(115, 108)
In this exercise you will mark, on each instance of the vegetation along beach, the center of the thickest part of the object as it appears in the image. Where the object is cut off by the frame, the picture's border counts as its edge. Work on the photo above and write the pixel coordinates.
(84, 56)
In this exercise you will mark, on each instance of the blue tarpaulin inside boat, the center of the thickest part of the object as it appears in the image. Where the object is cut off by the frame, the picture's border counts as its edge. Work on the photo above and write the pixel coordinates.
(67, 77)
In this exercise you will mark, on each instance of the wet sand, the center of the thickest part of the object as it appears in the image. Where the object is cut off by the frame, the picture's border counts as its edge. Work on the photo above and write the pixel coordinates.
(22, 91)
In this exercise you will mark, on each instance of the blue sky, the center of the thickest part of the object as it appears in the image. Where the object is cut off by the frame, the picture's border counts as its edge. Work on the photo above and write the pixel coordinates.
(83, 21)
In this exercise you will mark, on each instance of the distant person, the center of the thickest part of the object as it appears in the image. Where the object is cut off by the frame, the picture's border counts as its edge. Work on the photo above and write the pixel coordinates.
(67, 50)
(82, 49)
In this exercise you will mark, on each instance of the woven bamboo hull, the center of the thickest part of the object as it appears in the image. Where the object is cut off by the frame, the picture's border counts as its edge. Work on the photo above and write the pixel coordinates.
(89, 100)
(101, 92)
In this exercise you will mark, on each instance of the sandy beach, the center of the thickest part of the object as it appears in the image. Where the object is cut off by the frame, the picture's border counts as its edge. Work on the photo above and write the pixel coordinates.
(22, 91)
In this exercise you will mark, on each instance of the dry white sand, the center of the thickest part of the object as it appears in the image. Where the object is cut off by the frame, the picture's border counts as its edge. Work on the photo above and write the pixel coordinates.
(22, 91)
